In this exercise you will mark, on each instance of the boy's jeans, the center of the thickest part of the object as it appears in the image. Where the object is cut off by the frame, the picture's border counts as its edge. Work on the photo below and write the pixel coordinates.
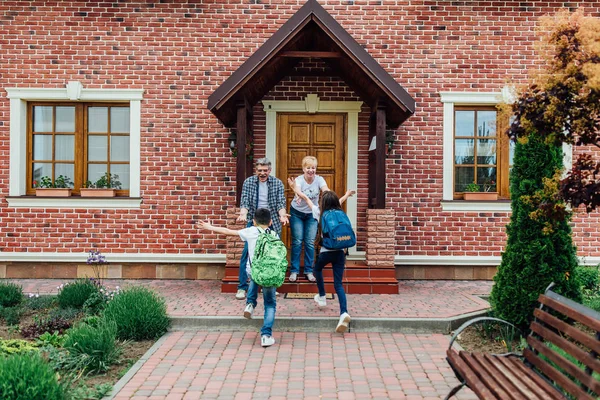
(304, 230)
(338, 262)
(270, 305)
(243, 261)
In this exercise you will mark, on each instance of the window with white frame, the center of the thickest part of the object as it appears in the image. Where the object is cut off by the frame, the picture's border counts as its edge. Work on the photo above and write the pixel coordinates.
(475, 151)
(75, 132)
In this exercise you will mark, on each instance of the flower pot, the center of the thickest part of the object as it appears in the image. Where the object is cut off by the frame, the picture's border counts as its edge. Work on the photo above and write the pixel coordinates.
(88, 192)
(481, 196)
(53, 192)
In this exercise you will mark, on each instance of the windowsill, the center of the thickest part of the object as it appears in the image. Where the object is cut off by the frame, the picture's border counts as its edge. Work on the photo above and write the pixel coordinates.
(74, 202)
(464, 205)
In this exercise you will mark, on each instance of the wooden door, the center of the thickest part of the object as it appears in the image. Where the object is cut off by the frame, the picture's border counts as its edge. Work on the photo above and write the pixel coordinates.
(320, 135)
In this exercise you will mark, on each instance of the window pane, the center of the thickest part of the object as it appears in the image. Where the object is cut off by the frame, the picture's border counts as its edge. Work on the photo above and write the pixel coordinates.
(463, 151)
(65, 119)
(464, 122)
(119, 148)
(42, 147)
(41, 169)
(65, 147)
(97, 148)
(122, 170)
(98, 119)
(67, 170)
(462, 177)
(119, 119)
(486, 178)
(42, 119)
(96, 171)
(486, 151)
(486, 123)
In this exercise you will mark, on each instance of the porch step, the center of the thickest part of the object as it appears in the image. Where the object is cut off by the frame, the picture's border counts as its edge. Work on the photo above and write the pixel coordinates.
(358, 279)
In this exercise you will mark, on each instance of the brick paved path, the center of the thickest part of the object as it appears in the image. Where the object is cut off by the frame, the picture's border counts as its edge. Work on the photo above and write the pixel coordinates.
(415, 299)
(232, 365)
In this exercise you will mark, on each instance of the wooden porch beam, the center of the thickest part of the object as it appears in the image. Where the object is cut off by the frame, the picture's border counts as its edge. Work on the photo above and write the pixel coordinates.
(310, 54)
(244, 118)
(380, 156)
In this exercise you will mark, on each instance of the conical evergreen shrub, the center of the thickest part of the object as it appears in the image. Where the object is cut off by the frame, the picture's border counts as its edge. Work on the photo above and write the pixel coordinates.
(539, 249)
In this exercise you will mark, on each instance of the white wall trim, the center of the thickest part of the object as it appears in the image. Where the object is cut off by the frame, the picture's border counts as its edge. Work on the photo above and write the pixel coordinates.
(469, 260)
(312, 103)
(72, 91)
(113, 257)
(468, 206)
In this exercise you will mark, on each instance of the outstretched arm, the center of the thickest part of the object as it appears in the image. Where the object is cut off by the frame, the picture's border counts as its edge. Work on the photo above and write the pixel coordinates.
(345, 196)
(226, 231)
(296, 189)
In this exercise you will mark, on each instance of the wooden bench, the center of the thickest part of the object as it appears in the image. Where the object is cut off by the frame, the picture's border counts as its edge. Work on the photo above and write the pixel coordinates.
(531, 375)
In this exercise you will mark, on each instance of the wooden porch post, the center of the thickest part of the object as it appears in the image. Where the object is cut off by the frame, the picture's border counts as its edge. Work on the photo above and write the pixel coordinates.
(244, 119)
(377, 157)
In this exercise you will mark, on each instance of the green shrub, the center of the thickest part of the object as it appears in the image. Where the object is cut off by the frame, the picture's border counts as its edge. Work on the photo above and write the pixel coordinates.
(14, 346)
(539, 249)
(592, 301)
(11, 315)
(75, 294)
(11, 294)
(68, 314)
(36, 302)
(139, 313)
(587, 277)
(28, 377)
(96, 345)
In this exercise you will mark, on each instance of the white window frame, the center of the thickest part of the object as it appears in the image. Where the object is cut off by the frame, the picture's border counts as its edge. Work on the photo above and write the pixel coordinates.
(73, 91)
(450, 100)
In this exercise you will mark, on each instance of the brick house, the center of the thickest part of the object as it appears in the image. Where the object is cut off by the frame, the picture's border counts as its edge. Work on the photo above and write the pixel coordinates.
(396, 99)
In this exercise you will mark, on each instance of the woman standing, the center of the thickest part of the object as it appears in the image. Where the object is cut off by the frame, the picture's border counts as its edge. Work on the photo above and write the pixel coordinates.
(302, 224)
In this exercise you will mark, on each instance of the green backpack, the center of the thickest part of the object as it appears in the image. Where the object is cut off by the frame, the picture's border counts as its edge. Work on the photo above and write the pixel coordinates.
(269, 263)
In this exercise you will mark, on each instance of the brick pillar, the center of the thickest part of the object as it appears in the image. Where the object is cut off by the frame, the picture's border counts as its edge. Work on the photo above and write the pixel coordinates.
(381, 238)
(235, 245)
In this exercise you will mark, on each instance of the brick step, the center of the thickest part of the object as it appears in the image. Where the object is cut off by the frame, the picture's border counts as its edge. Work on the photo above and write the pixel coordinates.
(364, 285)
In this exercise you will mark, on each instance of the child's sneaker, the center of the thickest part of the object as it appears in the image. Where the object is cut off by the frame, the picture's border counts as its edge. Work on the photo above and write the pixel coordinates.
(241, 294)
(266, 341)
(342, 326)
(248, 311)
(321, 300)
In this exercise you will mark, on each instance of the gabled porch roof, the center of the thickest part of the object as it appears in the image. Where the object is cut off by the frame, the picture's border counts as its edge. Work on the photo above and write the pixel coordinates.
(311, 33)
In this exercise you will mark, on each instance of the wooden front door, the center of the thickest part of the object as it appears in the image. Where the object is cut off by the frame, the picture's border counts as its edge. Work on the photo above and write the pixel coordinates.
(320, 135)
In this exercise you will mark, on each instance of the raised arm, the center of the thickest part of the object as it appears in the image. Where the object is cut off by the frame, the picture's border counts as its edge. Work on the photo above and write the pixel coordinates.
(296, 189)
(345, 196)
(226, 231)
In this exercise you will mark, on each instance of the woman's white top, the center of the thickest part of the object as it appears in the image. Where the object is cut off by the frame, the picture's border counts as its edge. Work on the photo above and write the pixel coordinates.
(311, 190)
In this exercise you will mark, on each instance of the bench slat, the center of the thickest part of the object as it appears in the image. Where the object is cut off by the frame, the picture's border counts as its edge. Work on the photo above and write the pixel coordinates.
(536, 383)
(509, 382)
(588, 341)
(469, 376)
(571, 349)
(562, 305)
(483, 375)
(556, 376)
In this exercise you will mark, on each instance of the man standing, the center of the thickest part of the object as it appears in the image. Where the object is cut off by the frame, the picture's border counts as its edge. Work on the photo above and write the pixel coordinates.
(260, 191)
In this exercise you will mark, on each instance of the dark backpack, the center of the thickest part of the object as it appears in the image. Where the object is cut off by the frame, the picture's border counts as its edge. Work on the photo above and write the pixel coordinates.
(336, 230)
(269, 264)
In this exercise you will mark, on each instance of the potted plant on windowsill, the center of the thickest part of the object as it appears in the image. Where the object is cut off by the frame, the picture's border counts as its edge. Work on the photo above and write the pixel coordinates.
(473, 192)
(105, 186)
(61, 187)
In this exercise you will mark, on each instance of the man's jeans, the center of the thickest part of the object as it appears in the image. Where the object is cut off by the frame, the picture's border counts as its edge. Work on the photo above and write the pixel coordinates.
(270, 305)
(337, 259)
(304, 230)
(243, 261)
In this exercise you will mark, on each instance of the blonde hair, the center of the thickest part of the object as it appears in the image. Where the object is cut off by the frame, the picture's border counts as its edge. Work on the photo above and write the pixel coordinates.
(309, 160)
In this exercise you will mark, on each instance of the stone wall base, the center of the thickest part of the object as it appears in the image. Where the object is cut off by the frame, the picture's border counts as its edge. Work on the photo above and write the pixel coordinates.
(450, 272)
(24, 270)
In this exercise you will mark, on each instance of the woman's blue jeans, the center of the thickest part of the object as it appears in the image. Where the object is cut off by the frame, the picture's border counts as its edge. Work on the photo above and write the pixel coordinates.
(337, 259)
(304, 231)
(270, 305)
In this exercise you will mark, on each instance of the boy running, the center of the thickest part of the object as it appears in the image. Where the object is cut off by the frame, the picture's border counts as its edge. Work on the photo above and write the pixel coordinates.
(262, 221)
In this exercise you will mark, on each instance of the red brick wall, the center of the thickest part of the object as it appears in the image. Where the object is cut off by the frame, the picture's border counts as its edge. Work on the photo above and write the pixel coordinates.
(179, 52)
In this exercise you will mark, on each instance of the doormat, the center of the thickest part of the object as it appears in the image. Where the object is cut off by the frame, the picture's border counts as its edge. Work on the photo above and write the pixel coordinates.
(328, 296)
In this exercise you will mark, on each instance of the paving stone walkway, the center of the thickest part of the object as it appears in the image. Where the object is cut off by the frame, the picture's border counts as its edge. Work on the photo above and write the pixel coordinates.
(194, 364)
